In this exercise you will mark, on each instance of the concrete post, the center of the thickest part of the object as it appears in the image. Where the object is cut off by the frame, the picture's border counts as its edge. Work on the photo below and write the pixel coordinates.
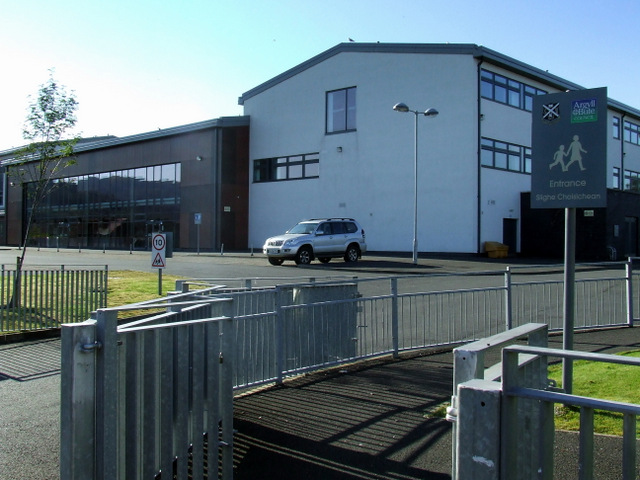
(478, 433)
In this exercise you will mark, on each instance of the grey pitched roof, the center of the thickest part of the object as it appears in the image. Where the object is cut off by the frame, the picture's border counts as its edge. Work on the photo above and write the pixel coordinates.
(477, 51)
(88, 144)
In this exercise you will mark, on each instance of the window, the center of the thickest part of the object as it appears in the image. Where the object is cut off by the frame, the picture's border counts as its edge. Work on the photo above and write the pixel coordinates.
(616, 177)
(3, 186)
(632, 133)
(505, 90)
(505, 156)
(616, 128)
(341, 110)
(293, 167)
(632, 181)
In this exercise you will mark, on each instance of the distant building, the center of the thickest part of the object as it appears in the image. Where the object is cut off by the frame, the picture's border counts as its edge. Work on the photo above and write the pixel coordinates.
(121, 190)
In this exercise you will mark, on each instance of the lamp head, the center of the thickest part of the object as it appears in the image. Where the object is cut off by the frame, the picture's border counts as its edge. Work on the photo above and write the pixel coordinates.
(401, 107)
(431, 112)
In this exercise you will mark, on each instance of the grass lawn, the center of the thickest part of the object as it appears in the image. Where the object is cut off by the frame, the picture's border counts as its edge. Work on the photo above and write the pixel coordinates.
(127, 286)
(607, 381)
(599, 380)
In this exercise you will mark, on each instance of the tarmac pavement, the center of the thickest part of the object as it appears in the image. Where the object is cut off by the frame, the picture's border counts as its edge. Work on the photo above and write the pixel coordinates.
(362, 421)
(372, 421)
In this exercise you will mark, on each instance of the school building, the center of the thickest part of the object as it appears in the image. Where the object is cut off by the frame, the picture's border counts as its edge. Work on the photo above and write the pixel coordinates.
(322, 139)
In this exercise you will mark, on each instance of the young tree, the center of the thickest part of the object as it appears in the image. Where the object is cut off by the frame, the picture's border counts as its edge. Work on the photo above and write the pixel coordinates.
(51, 117)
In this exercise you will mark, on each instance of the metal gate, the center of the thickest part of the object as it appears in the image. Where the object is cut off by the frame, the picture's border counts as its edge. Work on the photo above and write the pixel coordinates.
(149, 399)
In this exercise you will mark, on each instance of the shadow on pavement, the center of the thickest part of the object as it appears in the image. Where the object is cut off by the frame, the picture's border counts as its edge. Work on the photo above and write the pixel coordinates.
(337, 425)
(28, 361)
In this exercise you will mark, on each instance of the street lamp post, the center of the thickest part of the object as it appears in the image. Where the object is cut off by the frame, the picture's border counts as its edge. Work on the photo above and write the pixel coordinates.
(430, 112)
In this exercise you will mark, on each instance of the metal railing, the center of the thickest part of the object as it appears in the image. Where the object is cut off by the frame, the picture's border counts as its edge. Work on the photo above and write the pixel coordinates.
(382, 320)
(270, 333)
(517, 389)
(505, 429)
(36, 298)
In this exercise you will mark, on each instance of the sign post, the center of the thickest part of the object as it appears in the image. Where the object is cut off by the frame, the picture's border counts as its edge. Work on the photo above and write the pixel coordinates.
(158, 256)
(197, 219)
(569, 170)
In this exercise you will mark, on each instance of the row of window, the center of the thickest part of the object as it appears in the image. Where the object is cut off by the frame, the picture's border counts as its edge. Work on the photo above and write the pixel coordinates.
(632, 181)
(508, 91)
(119, 207)
(286, 168)
(341, 117)
(501, 89)
(505, 156)
(631, 131)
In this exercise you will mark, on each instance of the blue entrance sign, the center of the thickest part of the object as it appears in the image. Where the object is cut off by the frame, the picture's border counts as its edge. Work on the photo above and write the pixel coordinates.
(569, 150)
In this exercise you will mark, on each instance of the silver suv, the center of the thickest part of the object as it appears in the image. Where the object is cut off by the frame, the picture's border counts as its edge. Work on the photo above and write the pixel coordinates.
(321, 238)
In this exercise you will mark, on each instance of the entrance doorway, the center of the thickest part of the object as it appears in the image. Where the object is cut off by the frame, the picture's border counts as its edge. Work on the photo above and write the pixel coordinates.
(510, 233)
(631, 236)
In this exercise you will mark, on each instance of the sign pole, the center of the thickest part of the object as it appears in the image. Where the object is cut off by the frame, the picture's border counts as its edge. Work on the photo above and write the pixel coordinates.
(160, 281)
(197, 219)
(569, 295)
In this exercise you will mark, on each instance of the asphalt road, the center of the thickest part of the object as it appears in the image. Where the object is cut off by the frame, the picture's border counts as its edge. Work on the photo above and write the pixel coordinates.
(248, 265)
(458, 271)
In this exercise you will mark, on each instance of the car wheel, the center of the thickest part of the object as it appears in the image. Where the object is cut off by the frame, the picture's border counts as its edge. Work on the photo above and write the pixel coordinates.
(275, 261)
(304, 255)
(325, 259)
(352, 254)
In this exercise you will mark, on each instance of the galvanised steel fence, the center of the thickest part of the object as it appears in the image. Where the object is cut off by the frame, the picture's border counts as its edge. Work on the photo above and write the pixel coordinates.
(503, 415)
(309, 324)
(44, 297)
(114, 373)
(149, 399)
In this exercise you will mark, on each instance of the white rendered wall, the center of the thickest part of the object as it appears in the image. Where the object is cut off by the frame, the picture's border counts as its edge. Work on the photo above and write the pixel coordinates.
(501, 199)
(371, 179)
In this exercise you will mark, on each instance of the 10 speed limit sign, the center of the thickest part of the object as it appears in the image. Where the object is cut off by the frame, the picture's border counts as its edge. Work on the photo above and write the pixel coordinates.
(158, 250)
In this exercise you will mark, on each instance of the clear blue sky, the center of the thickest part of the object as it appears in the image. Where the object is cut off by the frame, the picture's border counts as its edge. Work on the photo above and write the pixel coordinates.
(137, 66)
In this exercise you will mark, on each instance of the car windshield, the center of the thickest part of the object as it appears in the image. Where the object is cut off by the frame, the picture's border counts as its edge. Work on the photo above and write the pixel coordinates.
(303, 228)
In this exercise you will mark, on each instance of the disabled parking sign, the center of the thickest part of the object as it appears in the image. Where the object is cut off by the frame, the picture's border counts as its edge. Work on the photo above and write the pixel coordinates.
(569, 154)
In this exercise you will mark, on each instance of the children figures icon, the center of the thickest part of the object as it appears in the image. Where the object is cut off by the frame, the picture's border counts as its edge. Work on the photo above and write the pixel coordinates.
(558, 158)
(575, 152)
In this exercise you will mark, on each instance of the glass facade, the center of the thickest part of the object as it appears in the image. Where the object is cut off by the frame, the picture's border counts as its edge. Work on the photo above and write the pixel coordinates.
(118, 209)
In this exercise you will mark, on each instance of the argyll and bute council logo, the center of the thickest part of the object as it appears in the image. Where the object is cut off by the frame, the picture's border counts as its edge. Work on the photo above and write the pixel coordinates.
(584, 111)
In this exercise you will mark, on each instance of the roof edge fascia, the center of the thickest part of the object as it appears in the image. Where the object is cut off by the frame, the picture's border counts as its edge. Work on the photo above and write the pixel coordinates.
(88, 145)
(479, 52)
(354, 47)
